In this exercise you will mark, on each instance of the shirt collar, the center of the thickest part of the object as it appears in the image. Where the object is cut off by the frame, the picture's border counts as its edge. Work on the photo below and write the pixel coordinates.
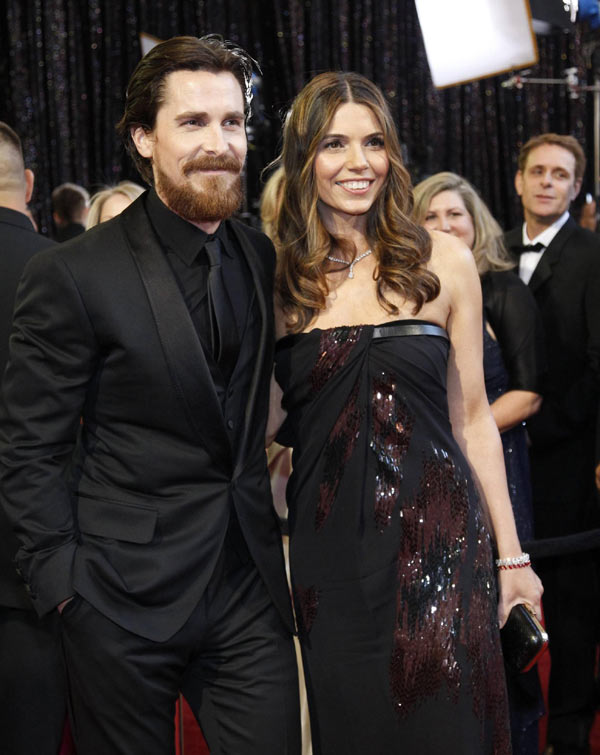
(178, 235)
(547, 235)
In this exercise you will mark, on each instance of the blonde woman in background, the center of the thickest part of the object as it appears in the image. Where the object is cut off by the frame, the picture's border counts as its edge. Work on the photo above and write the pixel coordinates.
(270, 201)
(111, 201)
(513, 364)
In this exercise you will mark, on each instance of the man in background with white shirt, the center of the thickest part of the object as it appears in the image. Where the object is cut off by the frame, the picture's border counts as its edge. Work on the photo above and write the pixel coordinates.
(560, 262)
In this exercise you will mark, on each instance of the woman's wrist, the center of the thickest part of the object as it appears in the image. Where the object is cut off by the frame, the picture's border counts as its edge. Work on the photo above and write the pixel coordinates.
(513, 562)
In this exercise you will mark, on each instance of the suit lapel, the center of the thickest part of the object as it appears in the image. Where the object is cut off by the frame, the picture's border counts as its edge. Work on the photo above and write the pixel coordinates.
(551, 256)
(256, 266)
(181, 347)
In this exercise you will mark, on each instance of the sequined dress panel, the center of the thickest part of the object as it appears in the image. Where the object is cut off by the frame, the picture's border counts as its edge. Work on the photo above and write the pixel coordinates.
(391, 563)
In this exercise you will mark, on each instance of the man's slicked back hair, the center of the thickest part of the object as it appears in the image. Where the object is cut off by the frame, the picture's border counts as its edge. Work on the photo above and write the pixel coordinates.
(145, 92)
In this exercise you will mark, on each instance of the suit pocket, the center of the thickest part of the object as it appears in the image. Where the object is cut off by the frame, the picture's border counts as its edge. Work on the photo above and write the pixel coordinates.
(116, 520)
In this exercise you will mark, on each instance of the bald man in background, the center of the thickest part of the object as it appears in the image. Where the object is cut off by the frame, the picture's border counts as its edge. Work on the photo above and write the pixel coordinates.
(32, 698)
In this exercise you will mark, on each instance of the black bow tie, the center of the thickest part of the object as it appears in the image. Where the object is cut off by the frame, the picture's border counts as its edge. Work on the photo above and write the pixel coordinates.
(539, 247)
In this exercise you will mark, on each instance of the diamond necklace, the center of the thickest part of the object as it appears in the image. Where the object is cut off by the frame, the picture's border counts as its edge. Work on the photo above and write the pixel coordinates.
(351, 264)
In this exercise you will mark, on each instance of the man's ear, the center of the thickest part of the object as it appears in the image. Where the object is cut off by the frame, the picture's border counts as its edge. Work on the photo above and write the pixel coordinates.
(576, 188)
(143, 140)
(29, 181)
(519, 182)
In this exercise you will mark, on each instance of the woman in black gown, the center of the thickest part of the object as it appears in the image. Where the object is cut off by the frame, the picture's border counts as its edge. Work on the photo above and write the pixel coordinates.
(513, 366)
(379, 361)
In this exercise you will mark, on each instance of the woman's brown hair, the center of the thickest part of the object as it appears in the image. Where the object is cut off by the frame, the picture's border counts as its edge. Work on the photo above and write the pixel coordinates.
(401, 247)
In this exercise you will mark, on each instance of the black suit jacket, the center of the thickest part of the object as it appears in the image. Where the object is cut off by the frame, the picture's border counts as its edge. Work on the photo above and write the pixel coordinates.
(130, 510)
(18, 243)
(566, 287)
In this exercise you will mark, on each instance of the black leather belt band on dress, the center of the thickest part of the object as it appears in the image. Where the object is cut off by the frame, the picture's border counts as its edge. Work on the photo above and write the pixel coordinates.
(409, 329)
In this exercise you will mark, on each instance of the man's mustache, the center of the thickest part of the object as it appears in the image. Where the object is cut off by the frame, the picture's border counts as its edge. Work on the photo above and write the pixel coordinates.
(223, 162)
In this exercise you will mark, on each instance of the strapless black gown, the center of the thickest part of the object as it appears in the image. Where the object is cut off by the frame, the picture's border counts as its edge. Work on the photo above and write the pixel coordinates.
(392, 568)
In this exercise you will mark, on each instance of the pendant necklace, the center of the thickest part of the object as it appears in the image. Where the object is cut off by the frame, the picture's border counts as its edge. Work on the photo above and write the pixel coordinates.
(351, 264)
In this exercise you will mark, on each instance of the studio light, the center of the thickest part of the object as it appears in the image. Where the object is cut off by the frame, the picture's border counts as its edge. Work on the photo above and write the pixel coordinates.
(472, 39)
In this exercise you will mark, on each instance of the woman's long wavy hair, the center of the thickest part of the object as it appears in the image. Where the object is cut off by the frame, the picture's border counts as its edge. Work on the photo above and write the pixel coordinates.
(488, 247)
(401, 247)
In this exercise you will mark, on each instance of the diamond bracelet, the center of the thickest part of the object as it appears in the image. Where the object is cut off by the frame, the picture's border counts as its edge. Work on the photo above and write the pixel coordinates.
(517, 562)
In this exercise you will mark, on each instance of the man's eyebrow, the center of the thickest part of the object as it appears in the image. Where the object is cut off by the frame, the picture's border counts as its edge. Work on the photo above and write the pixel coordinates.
(199, 115)
(237, 114)
(190, 114)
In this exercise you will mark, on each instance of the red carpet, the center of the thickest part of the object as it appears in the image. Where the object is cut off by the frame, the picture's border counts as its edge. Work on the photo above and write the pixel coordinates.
(193, 741)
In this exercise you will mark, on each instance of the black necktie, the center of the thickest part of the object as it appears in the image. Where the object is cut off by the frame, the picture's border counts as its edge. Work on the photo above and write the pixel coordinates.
(222, 324)
(539, 247)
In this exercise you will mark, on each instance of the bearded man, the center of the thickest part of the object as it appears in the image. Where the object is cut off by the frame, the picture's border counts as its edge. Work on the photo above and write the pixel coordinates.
(132, 436)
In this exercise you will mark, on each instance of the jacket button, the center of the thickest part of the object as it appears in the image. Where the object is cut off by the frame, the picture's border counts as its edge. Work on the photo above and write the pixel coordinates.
(230, 424)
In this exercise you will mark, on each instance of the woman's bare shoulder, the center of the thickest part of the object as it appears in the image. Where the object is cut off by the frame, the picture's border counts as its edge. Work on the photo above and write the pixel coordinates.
(447, 252)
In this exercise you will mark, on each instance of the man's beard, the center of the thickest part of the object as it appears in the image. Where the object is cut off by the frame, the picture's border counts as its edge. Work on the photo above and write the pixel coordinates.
(217, 198)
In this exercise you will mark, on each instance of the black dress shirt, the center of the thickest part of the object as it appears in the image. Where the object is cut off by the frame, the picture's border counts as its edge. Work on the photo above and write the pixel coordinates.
(184, 246)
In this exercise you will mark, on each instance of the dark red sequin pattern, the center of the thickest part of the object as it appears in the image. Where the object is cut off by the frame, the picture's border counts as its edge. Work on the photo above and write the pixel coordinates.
(390, 438)
(307, 604)
(428, 608)
(334, 348)
(483, 648)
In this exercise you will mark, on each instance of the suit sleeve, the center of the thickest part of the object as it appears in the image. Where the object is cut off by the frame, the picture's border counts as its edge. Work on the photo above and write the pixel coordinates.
(517, 323)
(576, 408)
(52, 354)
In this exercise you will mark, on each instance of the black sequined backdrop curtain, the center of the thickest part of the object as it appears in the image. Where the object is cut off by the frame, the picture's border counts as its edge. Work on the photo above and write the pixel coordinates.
(64, 67)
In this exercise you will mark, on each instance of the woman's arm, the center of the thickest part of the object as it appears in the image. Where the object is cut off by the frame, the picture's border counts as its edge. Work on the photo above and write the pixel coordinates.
(513, 407)
(472, 422)
(277, 413)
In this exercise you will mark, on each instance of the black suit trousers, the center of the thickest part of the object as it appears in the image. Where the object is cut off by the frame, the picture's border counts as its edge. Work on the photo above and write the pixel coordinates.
(233, 660)
(32, 690)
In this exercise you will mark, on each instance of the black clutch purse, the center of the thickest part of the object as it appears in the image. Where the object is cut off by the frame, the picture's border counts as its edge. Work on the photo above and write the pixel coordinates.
(523, 639)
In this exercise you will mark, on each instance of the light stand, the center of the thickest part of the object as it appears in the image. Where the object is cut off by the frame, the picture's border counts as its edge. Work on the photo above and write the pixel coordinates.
(574, 88)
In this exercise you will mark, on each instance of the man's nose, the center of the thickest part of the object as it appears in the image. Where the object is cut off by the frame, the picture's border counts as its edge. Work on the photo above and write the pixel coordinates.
(213, 140)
